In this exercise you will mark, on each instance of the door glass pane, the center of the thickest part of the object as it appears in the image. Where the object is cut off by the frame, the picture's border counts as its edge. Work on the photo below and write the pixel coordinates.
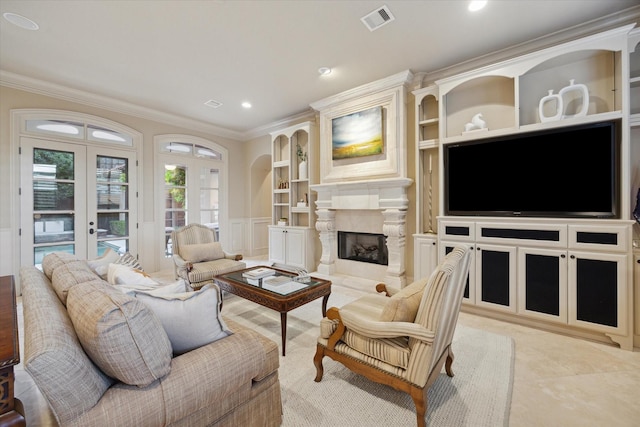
(40, 252)
(53, 228)
(52, 172)
(175, 194)
(112, 204)
(53, 190)
(209, 196)
(112, 196)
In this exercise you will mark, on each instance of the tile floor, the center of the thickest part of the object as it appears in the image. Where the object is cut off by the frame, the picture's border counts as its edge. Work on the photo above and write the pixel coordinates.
(558, 380)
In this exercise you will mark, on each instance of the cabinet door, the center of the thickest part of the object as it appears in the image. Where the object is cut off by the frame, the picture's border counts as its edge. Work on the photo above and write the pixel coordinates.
(469, 295)
(425, 256)
(597, 291)
(277, 245)
(542, 283)
(496, 277)
(295, 248)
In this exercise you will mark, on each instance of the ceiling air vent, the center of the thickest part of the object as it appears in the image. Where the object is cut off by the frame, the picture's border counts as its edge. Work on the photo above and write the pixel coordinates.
(378, 18)
(213, 103)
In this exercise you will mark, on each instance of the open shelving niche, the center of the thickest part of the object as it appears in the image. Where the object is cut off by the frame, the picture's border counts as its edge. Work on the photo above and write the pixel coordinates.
(508, 95)
(291, 240)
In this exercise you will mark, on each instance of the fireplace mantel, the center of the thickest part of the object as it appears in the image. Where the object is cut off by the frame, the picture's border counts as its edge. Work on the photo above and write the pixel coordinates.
(389, 196)
(364, 195)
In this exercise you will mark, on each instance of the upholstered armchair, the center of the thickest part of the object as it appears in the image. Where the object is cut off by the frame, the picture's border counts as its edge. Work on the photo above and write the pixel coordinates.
(198, 257)
(402, 338)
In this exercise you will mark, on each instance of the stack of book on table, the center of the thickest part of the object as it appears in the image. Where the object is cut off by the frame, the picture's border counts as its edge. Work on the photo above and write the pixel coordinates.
(258, 273)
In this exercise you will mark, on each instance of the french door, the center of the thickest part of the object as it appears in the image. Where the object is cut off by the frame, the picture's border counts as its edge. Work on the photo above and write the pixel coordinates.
(76, 198)
(191, 194)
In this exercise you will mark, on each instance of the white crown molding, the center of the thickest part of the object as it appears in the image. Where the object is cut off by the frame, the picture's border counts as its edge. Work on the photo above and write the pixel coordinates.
(398, 79)
(41, 87)
(609, 22)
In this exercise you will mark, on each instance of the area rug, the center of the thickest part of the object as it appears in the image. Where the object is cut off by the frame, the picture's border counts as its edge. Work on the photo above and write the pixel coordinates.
(478, 395)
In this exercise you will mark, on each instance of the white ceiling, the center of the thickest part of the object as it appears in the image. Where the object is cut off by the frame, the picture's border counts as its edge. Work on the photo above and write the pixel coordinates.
(172, 56)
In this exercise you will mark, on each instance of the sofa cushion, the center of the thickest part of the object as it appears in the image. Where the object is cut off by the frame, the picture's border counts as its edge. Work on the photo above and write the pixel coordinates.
(56, 259)
(120, 334)
(403, 305)
(190, 319)
(124, 275)
(67, 275)
(100, 265)
(202, 252)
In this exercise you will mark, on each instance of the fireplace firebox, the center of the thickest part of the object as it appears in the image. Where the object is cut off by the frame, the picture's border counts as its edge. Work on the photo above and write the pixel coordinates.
(364, 247)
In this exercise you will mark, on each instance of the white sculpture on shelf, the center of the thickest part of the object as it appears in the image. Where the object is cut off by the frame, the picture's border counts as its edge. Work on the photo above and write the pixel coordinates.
(477, 123)
(568, 94)
(545, 100)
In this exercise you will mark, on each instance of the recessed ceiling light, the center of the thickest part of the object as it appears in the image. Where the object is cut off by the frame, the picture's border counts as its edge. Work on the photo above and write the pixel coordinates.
(20, 21)
(324, 71)
(246, 104)
(476, 5)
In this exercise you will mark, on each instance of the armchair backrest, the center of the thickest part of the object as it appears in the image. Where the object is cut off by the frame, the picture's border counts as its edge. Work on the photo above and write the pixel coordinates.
(440, 307)
(190, 235)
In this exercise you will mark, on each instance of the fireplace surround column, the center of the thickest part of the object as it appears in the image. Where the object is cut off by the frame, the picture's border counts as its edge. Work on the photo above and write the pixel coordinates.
(325, 222)
(394, 228)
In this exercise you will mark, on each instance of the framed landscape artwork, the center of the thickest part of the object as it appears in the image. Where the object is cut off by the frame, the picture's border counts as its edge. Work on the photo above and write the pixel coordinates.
(357, 134)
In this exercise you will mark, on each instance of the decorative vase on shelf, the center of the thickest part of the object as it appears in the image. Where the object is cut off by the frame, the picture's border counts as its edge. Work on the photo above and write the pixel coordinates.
(550, 100)
(579, 92)
(302, 170)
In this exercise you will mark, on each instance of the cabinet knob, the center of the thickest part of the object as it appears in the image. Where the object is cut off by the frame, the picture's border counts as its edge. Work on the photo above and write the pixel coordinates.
(572, 257)
(563, 256)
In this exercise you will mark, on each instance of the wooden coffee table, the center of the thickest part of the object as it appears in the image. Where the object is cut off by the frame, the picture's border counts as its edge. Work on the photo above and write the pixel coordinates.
(282, 297)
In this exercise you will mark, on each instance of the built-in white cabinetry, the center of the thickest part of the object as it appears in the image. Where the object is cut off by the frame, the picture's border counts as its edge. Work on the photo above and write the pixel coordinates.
(425, 255)
(565, 274)
(575, 275)
(294, 170)
(292, 246)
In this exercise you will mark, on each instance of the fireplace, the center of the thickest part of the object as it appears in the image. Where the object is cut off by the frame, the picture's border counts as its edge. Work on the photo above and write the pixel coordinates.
(363, 247)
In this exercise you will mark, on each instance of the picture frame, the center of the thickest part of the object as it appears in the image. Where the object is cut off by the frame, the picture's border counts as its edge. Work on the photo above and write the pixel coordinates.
(358, 134)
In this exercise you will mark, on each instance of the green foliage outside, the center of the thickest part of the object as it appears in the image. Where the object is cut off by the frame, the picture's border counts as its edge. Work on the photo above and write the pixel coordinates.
(176, 177)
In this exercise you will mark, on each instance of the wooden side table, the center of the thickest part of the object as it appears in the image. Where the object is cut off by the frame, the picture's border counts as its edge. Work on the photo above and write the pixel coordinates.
(11, 410)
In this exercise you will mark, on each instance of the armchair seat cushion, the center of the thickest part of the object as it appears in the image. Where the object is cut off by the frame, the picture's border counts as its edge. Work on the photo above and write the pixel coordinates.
(204, 271)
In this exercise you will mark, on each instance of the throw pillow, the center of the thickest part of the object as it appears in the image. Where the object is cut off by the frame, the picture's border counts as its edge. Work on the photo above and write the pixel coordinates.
(118, 274)
(403, 305)
(100, 265)
(190, 319)
(120, 334)
(201, 252)
(130, 260)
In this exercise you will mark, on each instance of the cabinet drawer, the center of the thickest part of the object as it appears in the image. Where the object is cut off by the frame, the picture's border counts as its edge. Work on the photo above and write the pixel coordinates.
(457, 230)
(547, 235)
(614, 238)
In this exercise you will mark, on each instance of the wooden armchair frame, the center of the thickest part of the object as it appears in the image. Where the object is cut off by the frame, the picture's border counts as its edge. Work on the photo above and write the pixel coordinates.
(455, 273)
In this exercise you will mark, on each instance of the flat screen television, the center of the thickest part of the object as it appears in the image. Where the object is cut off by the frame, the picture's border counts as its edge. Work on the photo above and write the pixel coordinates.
(562, 172)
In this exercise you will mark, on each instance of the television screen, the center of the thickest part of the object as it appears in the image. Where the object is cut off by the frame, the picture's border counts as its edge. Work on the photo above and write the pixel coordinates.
(564, 172)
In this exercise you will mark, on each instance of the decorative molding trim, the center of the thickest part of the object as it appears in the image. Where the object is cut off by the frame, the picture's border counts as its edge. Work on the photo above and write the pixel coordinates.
(399, 79)
(54, 90)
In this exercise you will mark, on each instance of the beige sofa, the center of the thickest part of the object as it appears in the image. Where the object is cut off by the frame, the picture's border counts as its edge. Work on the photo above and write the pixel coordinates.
(232, 381)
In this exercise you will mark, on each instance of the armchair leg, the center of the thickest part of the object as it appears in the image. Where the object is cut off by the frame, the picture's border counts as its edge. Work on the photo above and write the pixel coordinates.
(420, 400)
(317, 360)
